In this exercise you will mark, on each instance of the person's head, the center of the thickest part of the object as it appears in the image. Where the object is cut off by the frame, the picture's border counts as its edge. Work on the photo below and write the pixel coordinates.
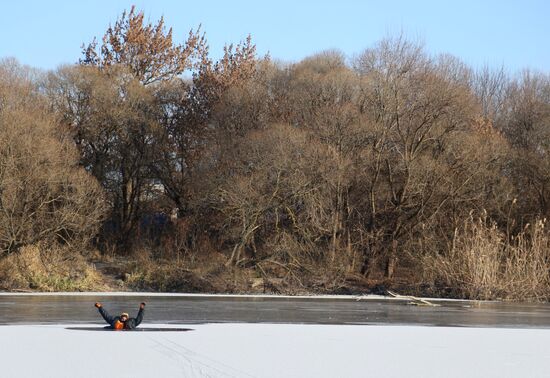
(123, 317)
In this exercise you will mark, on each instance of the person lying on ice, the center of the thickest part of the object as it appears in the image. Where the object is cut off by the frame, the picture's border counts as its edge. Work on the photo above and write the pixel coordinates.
(123, 321)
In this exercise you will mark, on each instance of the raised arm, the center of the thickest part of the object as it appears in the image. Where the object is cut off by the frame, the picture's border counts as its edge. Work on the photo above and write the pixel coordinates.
(141, 311)
(108, 318)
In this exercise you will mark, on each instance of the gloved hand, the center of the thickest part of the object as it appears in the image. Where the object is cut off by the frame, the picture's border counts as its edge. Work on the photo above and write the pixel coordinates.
(97, 304)
(142, 305)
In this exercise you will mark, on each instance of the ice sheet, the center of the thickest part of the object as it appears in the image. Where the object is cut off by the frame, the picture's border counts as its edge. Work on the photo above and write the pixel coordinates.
(275, 350)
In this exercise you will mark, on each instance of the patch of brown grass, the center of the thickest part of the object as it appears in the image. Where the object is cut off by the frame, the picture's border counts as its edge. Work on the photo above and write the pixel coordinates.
(41, 268)
(483, 263)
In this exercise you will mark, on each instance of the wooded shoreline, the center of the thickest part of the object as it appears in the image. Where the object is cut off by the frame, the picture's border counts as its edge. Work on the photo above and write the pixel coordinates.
(149, 165)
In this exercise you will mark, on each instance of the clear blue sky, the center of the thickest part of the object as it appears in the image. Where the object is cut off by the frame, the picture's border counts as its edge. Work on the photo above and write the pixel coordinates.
(515, 34)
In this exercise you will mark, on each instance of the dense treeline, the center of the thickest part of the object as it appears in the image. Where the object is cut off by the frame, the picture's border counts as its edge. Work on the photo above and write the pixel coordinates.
(393, 166)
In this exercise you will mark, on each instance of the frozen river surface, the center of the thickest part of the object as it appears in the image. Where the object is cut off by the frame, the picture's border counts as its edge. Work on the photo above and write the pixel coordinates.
(273, 338)
(193, 309)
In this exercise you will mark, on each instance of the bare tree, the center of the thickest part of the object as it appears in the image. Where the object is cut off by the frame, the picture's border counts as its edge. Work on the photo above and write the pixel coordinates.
(526, 124)
(490, 88)
(416, 109)
(45, 196)
(116, 102)
(111, 118)
(193, 113)
(146, 50)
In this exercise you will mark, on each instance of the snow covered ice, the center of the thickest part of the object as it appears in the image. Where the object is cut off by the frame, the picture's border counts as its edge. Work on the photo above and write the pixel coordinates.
(275, 350)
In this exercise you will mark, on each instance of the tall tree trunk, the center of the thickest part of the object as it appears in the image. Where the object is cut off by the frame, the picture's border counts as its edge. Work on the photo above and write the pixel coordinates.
(391, 261)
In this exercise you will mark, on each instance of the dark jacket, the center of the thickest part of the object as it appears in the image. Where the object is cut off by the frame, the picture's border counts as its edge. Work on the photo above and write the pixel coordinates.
(131, 323)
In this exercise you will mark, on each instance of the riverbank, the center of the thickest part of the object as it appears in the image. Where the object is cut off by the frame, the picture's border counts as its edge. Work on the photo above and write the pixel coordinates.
(207, 295)
(29, 273)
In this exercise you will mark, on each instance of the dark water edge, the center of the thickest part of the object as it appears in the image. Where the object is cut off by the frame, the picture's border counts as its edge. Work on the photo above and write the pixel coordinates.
(139, 329)
(79, 309)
